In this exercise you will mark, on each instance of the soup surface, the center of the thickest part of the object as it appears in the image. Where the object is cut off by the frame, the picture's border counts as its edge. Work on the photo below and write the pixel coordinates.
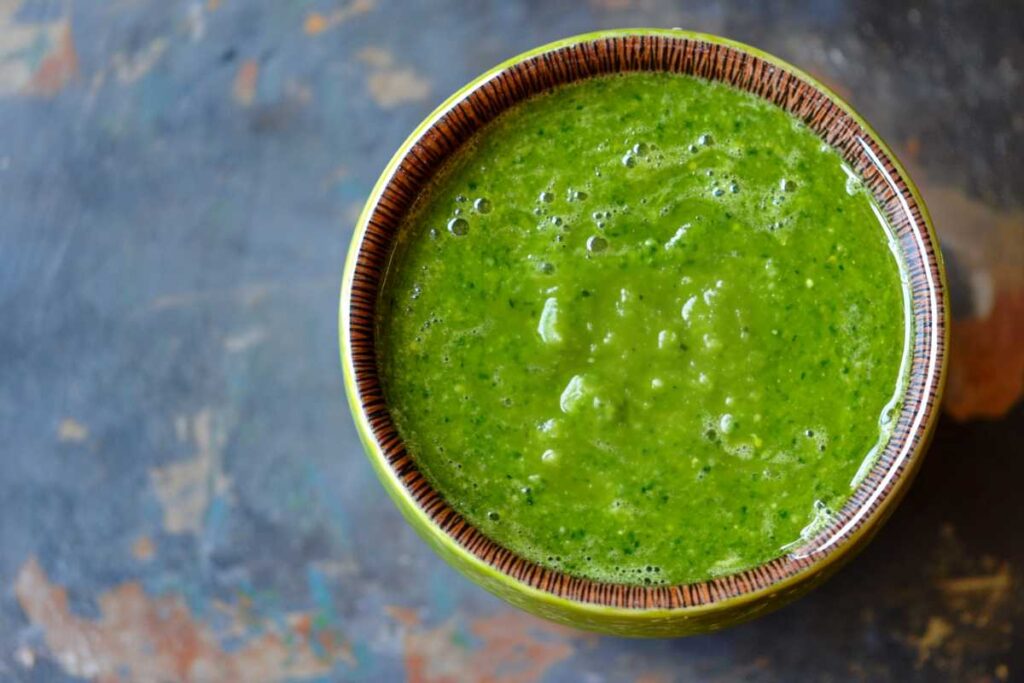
(644, 329)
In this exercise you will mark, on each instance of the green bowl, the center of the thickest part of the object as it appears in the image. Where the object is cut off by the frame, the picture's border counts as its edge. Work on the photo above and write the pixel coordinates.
(629, 609)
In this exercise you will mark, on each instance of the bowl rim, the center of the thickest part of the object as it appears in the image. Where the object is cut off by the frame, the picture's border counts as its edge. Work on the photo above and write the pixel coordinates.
(843, 544)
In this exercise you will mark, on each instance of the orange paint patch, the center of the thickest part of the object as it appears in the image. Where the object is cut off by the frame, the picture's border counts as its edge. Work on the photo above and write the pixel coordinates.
(653, 678)
(406, 616)
(244, 89)
(913, 148)
(316, 23)
(143, 638)
(58, 68)
(986, 361)
(516, 648)
(143, 549)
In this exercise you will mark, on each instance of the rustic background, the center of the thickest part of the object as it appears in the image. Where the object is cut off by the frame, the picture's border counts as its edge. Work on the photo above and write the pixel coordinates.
(182, 493)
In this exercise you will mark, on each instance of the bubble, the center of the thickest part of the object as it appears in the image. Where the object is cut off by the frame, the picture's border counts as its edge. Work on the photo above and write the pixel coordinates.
(692, 148)
(787, 185)
(546, 197)
(574, 393)
(734, 188)
(688, 308)
(493, 516)
(458, 226)
(460, 198)
(548, 455)
(548, 427)
(482, 205)
(556, 220)
(679, 234)
(852, 185)
(705, 140)
(726, 423)
(545, 267)
(717, 192)
(640, 148)
(547, 327)
(416, 291)
(629, 160)
(457, 211)
(576, 195)
(596, 244)
(434, 233)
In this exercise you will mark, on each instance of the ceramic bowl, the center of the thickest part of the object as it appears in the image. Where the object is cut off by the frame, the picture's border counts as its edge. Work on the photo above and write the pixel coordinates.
(631, 609)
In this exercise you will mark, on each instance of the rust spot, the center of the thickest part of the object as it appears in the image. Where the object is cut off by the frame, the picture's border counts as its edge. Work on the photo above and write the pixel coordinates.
(144, 638)
(244, 89)
(143, 549)
(986, 361)
(58, 68)
(406, 616)
(315, 23)
(516, 648)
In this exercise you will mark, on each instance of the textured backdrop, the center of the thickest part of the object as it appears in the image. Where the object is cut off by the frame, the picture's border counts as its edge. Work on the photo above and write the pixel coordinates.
(182, 493)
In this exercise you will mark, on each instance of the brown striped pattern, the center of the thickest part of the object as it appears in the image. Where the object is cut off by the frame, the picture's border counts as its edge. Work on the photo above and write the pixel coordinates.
(709, 60)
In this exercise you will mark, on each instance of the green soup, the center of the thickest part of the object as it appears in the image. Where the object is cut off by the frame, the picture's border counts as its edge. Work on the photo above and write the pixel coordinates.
(644, 329)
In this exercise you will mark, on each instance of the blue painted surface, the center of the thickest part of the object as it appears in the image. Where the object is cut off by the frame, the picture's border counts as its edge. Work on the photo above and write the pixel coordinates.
(177, 190)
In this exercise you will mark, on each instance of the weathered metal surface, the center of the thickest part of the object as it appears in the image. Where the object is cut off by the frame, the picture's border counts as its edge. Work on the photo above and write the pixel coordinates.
(182, 492)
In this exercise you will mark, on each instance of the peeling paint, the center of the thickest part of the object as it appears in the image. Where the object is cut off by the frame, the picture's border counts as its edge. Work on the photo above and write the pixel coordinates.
(144, 638)
(316, 23)
(143, 549)
(59, 67)
(130, 67)
(245, 339)
(935, 634)
(986, 361)
(186, 488)
(986, 369)
(377, 57)
(37, 58)
(195, 21)
(71, 430)
(391, 85)
(515, 648)
(246, 80)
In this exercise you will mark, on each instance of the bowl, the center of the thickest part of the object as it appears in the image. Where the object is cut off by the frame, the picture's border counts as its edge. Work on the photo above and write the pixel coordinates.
(637, 610)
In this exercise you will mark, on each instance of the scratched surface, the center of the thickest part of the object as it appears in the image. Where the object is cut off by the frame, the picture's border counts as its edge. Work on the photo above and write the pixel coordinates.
(182, 493)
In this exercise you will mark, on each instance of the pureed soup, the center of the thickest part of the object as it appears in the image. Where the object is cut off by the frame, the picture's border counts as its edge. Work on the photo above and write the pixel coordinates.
(644, 329)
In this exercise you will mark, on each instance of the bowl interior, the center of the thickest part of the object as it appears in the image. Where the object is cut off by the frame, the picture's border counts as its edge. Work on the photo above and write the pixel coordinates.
(705, 57)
